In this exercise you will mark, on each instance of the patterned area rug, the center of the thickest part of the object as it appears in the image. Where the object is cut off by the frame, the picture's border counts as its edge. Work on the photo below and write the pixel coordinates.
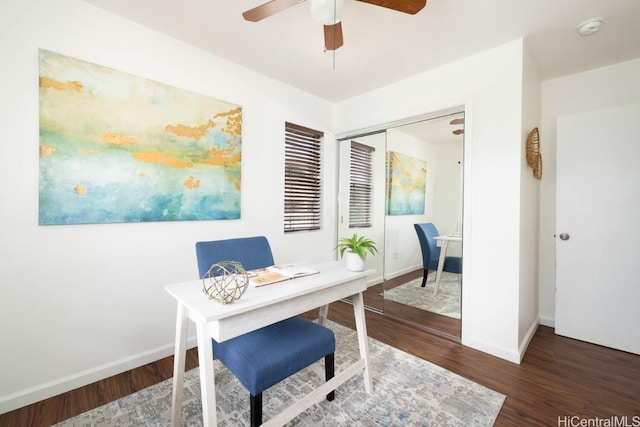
(408, 391)
(447, 302)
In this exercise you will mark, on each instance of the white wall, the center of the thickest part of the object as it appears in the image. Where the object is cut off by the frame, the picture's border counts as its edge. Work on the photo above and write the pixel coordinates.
(448, 190)
(600, 88)
(78, 303)
(529, 209)
(489, 85)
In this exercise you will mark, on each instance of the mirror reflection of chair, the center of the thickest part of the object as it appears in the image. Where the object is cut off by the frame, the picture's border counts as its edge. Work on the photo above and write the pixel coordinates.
(427, 233)
(264, 357)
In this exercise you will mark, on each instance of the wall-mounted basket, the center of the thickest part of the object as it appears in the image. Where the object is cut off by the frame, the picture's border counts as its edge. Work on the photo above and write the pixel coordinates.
(534, 158)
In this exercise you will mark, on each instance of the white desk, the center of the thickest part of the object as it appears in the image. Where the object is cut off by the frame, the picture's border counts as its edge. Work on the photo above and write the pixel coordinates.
(444, 245)
(259, 307)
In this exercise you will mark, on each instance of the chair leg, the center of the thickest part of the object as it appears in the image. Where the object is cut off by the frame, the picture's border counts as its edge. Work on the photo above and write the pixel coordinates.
(256, 409)
(256, 401)
(329, 371)
(424, 277)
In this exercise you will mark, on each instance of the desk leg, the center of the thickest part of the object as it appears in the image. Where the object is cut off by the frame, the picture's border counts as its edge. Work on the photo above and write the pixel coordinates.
(443, 255)
(322, 316)
(179, 358)
(361, 328)
(207, 379)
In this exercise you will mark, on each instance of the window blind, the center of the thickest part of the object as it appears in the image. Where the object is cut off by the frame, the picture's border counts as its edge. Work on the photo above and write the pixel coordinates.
(302, 180)
(360, 185)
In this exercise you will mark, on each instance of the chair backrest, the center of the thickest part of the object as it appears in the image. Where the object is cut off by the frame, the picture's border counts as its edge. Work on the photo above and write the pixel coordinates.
(251, 252)
(430, 250)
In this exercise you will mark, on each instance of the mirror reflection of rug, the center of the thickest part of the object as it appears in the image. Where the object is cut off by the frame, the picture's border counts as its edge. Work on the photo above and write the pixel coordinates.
(446, 303)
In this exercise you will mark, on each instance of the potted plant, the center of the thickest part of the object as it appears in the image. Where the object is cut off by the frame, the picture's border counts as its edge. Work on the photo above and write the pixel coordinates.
(356, 248)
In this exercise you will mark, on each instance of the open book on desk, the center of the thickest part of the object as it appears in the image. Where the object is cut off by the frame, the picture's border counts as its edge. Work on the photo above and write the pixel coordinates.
(278, 273)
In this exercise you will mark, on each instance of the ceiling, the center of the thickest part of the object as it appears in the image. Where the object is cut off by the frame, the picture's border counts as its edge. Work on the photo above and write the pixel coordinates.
(436, 130)
(382, 46)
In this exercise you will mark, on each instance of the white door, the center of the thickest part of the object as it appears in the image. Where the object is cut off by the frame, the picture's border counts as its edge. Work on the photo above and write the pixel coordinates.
(598, 227)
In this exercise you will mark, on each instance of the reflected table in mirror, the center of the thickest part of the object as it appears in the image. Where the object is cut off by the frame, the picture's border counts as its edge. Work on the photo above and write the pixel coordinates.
(444, 246)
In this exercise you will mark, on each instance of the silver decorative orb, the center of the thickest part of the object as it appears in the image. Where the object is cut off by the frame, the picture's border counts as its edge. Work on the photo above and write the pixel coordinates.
(225, 281)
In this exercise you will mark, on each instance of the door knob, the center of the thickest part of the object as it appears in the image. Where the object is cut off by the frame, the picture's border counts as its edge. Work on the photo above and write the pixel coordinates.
(564, 236)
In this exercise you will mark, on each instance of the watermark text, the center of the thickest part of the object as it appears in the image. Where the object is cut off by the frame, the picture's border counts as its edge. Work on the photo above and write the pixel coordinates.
(613, 421)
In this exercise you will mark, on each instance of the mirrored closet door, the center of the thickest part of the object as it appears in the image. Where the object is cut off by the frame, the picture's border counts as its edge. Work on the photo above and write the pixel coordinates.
(361, 201)
(416, 178)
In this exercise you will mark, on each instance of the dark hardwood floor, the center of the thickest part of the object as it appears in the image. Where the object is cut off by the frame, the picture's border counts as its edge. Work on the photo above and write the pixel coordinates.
(558, 379)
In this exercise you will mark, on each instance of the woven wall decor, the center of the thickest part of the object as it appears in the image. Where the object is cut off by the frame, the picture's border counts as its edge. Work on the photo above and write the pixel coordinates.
(534, 158)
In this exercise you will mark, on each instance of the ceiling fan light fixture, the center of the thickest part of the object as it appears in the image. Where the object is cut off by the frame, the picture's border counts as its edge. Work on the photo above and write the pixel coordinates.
(327, 12)
(590, 26)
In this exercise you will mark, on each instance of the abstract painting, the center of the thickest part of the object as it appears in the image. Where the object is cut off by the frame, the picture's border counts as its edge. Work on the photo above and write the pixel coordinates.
(115, 147)
(407, 180)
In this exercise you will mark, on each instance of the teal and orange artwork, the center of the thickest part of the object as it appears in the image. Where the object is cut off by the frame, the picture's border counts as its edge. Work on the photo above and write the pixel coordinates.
(115, 147)
(407, 181)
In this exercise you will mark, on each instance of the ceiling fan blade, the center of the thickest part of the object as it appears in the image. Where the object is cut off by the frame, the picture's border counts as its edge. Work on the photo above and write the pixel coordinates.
(407, 6)
(267, 9)
(459, 121)
(458, 132)
(333, 36)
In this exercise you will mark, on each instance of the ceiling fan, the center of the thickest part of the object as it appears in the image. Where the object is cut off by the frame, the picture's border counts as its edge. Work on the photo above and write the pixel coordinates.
(459, 121)
(329, 14)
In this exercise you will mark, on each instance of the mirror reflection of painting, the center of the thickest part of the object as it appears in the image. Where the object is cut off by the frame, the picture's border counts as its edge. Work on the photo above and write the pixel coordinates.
(417, 179)
(406, 184)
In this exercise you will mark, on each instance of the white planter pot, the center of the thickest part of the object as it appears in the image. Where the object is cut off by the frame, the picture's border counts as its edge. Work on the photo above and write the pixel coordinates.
(354, 262)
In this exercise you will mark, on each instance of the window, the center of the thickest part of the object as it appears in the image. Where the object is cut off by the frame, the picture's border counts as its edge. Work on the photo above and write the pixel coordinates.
(360, 185)
(302, 183)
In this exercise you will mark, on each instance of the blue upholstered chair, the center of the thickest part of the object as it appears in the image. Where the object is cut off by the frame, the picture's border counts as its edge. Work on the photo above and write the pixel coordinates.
(431, 252)
(264, 357)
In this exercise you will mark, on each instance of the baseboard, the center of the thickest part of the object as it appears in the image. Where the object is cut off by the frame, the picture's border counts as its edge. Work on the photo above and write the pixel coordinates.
(399, 273)
(502, 353)
(548, 321)
(62, 385)
(373, 281)
(527, 338)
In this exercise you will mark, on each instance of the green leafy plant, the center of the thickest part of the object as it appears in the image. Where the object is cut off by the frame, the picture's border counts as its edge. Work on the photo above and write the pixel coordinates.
(358, 245)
